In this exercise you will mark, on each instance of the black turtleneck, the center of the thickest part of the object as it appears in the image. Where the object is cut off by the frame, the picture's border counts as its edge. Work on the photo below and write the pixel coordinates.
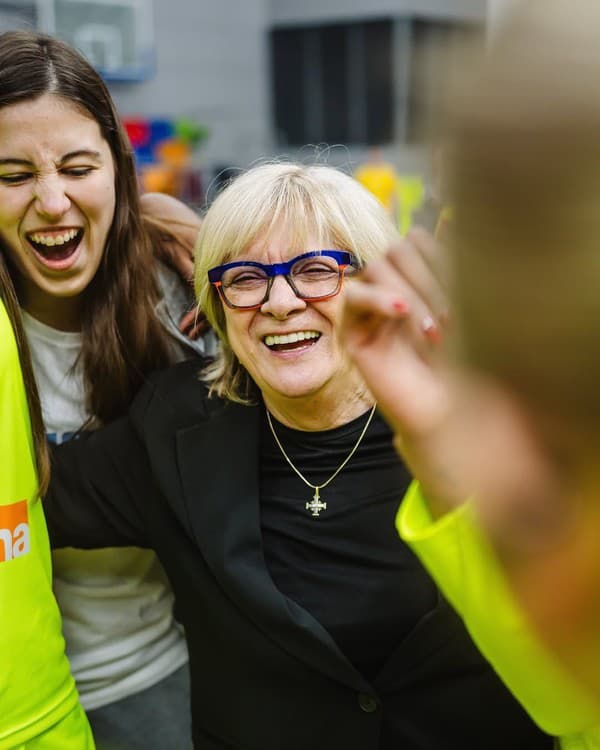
(347, 567)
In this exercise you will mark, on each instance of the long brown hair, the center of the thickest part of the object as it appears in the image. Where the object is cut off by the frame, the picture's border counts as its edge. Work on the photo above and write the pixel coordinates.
(122, 338)
(9, 298)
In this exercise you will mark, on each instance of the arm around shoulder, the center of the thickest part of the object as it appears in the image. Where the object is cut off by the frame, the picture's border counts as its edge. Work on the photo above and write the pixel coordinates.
(97, 487)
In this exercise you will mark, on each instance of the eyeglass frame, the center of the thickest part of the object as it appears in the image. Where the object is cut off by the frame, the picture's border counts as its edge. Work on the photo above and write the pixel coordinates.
(344, 259)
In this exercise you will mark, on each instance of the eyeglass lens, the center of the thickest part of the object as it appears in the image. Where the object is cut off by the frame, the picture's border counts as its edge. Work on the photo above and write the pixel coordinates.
(310, 278)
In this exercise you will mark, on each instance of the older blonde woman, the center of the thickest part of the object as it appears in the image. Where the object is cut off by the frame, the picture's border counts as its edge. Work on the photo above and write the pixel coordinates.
(268, 486)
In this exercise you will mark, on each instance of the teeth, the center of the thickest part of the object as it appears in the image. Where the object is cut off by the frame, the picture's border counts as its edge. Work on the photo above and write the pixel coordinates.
(291, 338)
(51, 240)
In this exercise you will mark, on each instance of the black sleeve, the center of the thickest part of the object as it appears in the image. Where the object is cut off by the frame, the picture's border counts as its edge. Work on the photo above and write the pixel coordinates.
(99, 487)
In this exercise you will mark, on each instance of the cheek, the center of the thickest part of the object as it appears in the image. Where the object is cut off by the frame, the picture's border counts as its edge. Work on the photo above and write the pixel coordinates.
(106, 205)
(12, 211)
(331, 311)
(9, 234)
(99, 198)
(237, 329)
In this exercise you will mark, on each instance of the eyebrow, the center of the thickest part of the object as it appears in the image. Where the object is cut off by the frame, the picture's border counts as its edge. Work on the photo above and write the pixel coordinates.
(87, 153)
(81, 152)
(24, 162)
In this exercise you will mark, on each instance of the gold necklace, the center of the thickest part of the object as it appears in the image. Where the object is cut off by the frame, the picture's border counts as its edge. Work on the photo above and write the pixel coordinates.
(316, 505)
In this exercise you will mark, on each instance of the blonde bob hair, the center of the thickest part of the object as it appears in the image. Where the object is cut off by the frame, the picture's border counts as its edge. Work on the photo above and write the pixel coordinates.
(312, 201)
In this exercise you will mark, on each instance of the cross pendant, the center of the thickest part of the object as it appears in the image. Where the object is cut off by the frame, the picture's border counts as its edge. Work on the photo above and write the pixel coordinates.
(316, 506)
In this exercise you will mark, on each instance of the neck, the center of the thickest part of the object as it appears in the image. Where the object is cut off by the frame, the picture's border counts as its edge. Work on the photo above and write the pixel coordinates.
(61, 313)
(319, 412)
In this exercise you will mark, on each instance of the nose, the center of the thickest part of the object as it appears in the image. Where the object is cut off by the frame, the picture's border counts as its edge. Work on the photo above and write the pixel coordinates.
(51, 199)
(282, 300)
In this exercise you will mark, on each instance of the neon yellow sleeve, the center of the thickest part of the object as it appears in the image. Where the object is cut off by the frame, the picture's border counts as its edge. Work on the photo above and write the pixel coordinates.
(463, 565)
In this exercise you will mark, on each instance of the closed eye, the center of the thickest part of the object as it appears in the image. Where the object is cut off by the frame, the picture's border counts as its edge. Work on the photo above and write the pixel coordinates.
(243, 277)
(314, 269)
(77, 171)
(15, 178)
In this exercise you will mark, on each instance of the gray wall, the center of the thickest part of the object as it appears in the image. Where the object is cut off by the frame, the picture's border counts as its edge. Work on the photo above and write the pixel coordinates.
(211, 65)
(320, 11)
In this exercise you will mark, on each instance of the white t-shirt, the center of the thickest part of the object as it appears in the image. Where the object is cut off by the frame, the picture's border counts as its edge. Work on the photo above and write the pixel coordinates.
(116, 604)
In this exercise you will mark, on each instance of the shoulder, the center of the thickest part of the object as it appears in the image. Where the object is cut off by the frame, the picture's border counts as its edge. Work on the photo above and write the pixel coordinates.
(175, 397)
(173, 410)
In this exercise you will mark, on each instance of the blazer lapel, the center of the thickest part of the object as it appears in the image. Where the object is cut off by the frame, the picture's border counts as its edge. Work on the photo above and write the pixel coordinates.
(219, 465)
(422, 650)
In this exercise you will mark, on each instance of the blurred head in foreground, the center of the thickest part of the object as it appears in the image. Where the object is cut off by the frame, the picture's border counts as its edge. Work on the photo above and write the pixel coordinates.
(524, 176)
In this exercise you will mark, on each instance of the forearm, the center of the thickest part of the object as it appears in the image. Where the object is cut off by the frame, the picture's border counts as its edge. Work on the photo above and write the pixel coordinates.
(91, 501)
(456, 554)
(442, 487)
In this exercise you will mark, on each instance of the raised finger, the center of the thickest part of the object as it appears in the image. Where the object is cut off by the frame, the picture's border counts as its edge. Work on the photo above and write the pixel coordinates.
(409, 262)
(433, 251)
(369, 297)
(386, 277)
(382, 294)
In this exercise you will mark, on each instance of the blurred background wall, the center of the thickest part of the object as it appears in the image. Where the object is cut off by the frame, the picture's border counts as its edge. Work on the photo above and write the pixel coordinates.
(269, 77)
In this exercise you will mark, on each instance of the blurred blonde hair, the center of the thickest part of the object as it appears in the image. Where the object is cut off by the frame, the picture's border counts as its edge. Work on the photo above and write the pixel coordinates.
(310, 200)
(524, 176)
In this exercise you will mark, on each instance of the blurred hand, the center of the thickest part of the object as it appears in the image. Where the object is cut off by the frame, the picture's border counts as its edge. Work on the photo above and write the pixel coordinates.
(394, 322)
(194, 324)
(177, 226)
(392, 326)
(176, 251)
(465, 435)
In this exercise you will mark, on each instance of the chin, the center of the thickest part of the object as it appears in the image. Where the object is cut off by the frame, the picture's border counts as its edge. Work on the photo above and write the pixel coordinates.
(299, 389)
(293, 380)
(73, 288)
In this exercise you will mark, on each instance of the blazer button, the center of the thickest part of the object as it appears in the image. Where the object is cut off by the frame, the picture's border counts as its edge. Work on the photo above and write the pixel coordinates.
(368, 703)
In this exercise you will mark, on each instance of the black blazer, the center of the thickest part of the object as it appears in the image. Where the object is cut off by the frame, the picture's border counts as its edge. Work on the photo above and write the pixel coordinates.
(180, 475)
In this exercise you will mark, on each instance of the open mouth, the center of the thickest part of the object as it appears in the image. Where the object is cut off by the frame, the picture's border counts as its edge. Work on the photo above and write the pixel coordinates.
(57, 246)
(289, 341)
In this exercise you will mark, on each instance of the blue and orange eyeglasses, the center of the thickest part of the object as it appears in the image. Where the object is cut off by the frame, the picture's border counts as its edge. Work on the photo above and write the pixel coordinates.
(313, 276)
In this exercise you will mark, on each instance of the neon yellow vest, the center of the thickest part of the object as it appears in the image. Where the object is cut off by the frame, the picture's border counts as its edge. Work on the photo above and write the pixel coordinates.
(36, 687)
(456, 554)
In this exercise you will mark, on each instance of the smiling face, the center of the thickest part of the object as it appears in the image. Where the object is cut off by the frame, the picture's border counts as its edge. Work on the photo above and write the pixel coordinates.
(57, 201)
(290, 347)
